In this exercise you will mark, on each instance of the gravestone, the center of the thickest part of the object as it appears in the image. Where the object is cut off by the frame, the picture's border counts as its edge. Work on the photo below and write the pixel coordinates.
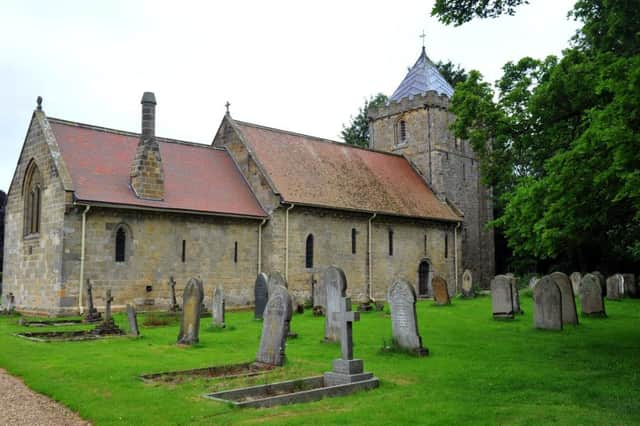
(502, 297)
(569, 312)
(515, 293)
(217, 308)
(440, 291)
(630, 288)
(108, 325)
(547, 304)
(615, 286)
(533, 281)
(575, 278)
(9, 306)
(134, 331)
(591, 296)
(261, 293)
(275, 327)
(602, 281)
(92, 314)
(335, 283)
(404, 322)
(319, 296)
(173, 307)
(467, 284)
(191, 308)
(276, 278)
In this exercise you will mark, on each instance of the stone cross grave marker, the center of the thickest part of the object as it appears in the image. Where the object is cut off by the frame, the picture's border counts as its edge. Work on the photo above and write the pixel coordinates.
(602, 281)
(591, 296)
(615, 286)
(547, 304)
(191, 309)
(404, 322)
(92, 314)
(501, 297)
(261, 293)
(9, 303)
(217, 308)
(575, 278)
(335, 283)
(440, 291)
(569, 312)
(108, 325)
(134, 331)
(275, 327)
(172, 289)
(630, 288)
(467, 284)
(107, 311)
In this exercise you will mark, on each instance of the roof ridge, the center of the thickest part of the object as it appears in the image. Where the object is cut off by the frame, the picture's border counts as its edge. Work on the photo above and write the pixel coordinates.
(127, 133)
(315, 138)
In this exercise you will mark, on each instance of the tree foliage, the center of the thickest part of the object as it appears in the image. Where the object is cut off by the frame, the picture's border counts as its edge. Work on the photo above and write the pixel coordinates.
(357, 131)
(458, 12)
(453, 73)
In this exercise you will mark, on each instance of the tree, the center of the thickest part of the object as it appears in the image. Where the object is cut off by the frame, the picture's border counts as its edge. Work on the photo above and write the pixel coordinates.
(453, 73)
(357, 132)
(458, 12)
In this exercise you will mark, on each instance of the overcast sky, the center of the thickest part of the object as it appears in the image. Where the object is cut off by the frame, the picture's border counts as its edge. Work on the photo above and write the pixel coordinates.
(297, 65)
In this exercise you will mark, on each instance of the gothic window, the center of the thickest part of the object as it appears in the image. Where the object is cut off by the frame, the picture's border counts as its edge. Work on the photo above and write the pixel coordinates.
(308, 259)
(121, 244)
(353, 241)
(390, 242)
(32, 200)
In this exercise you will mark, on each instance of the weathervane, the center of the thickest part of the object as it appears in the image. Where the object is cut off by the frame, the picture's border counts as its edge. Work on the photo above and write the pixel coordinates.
(227, 105)
(422, 36)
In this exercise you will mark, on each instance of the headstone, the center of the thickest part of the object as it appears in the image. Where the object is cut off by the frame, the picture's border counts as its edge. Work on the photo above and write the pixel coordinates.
(92, 314)
(319, 296)
(615, 284)
(591, 296)
(467, 284)
(440, 291)
(547, 305)
(8, 307)
(569, 312)
(217, 308)
(515, 293)
(108, 325)
(107, 311)
(335, 283)
(191, 308)
(575, 278)
(172, 289)
(502, 297)
(602, 281)
(630, 288)
(275, 327)
(133, 321)
(261, 295)
(276, 278)
(533, 281)
(404, 322)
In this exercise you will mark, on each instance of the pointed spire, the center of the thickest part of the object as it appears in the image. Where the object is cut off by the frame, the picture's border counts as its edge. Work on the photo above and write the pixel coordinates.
(421, 78)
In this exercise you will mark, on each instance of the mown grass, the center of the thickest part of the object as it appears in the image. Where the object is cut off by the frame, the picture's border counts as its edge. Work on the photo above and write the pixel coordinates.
(480, 371)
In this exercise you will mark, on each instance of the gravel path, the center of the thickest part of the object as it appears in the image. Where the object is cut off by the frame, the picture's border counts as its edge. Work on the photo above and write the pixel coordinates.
(19, 406)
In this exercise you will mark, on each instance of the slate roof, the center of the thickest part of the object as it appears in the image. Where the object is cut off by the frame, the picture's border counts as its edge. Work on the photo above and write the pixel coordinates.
(313, 171)
(421, 78)
(198, 178)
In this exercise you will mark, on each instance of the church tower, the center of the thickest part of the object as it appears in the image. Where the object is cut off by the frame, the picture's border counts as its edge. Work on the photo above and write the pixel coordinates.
(416, 123)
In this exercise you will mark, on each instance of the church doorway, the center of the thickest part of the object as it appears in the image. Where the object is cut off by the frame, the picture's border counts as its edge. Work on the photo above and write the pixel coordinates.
(424, 278)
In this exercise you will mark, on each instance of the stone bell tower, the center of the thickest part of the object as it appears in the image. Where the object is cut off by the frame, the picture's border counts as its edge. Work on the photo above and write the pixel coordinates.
(416, 123)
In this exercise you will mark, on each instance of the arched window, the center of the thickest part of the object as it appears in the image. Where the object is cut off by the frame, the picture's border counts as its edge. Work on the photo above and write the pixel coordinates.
(308, 258)
(121, 244)
(353, 240)
(32, 200)
(390, 242)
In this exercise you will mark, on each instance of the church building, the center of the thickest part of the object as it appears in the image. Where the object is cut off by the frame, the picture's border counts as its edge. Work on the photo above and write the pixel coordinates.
(129, 211)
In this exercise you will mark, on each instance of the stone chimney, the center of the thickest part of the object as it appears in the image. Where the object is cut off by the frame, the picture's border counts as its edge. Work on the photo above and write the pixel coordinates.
(147, 176)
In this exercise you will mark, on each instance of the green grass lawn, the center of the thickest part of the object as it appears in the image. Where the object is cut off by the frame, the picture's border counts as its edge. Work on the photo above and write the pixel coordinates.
(480, 371)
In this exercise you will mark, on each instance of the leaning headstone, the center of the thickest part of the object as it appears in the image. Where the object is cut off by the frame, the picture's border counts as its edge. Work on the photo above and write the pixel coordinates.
(276, 278)
(404, 322)
(591, 296)
(569, 312)
(440, 291)
(533, 281)
(92, 314)
(615, 284)
(173, 307)
(191, 309)
(217, 308)
(547, 305)
(515, 293)
(133, 321)
(275, 327)
(335, 283)
(630, 288)
(575, 278)
(602, 281)
(501, 297)
(467, 284)
(261, 293)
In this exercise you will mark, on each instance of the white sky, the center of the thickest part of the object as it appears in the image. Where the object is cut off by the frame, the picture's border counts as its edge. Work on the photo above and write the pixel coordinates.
(297, 65)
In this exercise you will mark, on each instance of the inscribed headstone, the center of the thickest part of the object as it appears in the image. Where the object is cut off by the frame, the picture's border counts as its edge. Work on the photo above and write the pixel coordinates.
(615, 284)
(440, 290)
(404, 322)
(191, 308)
(335, 283)
(467, 284)
(261, 294)
(602, 281)
(502, 297)
(547, 304)
(133, 321)
(591, 296)
(319, 294)
(575, 278)
(569, 312)
(275, 327)
(276, 278)
(217, 308)
(630, 288)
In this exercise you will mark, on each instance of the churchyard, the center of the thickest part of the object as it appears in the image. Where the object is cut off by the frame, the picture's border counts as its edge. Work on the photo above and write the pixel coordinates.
(478, 369)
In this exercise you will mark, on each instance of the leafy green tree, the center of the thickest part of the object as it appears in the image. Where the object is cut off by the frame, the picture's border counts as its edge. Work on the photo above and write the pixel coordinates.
(357, 132)
(453, 73)
(458, 12)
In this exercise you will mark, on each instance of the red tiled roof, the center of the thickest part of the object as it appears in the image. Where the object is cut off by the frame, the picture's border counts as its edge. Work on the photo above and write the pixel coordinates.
(197, 177)
(315, 171)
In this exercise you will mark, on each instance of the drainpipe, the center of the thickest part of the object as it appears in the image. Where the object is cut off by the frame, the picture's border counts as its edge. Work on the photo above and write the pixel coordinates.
(82, 248)
(369, 236)
(260, 245)
(286, 242)
(455, 253)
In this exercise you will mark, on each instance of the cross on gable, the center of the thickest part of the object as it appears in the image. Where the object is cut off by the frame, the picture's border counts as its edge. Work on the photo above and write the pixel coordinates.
(347, 318)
